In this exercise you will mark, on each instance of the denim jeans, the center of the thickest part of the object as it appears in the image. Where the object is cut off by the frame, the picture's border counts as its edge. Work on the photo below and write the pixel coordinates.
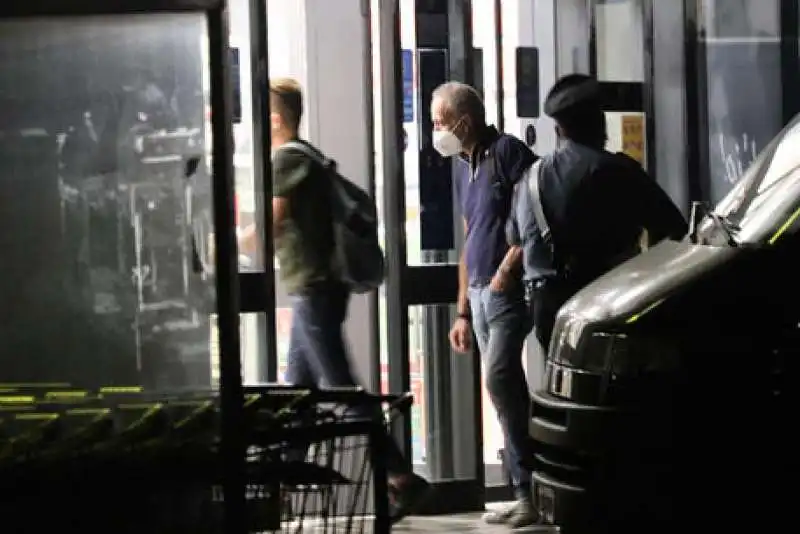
(317, 356)
(500, 322)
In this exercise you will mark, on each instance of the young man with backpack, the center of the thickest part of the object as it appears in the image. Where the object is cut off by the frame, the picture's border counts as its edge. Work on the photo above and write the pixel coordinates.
(327, 244)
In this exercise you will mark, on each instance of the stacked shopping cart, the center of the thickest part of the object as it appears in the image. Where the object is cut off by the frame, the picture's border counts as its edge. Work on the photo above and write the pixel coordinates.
(124, 461)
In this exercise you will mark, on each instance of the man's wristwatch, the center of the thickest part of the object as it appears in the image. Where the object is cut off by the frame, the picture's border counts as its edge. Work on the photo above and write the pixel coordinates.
(466, 316)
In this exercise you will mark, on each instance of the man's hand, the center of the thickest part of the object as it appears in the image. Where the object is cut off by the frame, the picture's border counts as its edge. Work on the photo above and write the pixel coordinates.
(461, 335)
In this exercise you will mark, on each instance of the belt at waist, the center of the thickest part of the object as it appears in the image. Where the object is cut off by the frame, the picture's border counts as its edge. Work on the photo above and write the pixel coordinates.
(479, 282)
(557, 285)
(538, 283)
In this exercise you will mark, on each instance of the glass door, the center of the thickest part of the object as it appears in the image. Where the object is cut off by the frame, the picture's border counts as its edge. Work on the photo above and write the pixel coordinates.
(608, 39)
(618, 60)
(417, 46)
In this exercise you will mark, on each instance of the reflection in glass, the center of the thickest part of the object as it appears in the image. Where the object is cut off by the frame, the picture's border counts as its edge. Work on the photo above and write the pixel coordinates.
(443, 435)
(620, 40)
(571, 42)
(249, 330)
(106, 211)
(743, 61)
(417, 348)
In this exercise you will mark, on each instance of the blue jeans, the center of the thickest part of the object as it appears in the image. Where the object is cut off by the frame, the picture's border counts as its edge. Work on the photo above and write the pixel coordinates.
(317, 356)
(500, 322)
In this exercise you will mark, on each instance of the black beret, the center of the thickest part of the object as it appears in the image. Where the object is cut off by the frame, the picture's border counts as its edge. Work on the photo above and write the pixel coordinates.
(570, 92)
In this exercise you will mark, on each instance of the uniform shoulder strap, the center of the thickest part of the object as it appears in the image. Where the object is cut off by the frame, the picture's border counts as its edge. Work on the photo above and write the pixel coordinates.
(532, 176)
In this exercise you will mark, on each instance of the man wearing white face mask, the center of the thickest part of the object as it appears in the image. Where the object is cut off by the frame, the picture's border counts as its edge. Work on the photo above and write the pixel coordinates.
(491, 295)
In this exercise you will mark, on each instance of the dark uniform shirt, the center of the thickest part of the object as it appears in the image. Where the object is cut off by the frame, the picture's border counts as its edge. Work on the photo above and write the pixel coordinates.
(484, 185)
(596, 204)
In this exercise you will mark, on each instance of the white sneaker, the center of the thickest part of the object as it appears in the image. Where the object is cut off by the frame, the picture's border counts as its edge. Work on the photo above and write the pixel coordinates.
(517, 515)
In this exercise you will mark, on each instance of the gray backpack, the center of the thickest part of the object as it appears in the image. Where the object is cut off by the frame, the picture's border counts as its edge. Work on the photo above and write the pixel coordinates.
(358, 259)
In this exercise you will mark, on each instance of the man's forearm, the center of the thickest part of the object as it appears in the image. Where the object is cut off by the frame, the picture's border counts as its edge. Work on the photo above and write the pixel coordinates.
(279, 210)
(512, 260)
(462, 304)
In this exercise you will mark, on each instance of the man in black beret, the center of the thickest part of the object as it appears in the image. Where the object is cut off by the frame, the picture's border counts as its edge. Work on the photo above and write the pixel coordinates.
(581, 210)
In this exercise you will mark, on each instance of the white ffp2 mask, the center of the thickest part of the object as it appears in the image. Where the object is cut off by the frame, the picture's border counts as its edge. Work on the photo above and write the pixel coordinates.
(446, 143)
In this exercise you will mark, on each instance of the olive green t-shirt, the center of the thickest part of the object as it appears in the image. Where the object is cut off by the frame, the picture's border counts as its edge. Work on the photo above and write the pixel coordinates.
(304, 245)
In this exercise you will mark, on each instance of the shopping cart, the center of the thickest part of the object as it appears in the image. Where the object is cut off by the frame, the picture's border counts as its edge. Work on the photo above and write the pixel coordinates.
(329, 446)
(150, 463)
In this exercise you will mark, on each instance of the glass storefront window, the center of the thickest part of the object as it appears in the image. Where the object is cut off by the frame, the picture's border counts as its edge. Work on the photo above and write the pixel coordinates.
(104, 132)
(416, 349)
(443, 398)
(430, 220)
(742, 44)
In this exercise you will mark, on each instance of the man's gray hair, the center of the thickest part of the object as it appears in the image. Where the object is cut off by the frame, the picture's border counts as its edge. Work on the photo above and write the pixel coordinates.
(462, 100)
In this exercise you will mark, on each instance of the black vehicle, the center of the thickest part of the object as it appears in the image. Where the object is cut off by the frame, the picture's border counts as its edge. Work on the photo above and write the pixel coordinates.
(668, 402)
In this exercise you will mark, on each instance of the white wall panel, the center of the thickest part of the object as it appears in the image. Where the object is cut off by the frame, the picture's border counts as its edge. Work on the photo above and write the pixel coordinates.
(336, 59)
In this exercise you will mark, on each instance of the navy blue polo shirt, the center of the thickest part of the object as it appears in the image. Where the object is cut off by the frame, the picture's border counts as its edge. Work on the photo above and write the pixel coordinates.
(484, 185)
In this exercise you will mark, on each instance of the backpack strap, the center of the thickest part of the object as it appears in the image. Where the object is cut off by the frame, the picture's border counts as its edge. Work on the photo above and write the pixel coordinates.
(532, 176)
(312, 153)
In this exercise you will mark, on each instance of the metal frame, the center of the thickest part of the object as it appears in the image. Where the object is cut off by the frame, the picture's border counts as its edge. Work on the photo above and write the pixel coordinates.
(394, 207)
(696, 112)
(227, 269)
(227, 274)
(369, 103)
(263, 281)
(648, 90)
(499, 61)
(461, 41)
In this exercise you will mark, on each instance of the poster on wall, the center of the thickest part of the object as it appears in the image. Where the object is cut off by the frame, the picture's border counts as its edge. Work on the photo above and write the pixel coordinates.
(408, 85)
(633, 140)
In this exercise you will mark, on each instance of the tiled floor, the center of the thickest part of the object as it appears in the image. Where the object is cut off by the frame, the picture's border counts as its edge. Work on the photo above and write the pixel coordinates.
(450, 524)
(453, 524)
